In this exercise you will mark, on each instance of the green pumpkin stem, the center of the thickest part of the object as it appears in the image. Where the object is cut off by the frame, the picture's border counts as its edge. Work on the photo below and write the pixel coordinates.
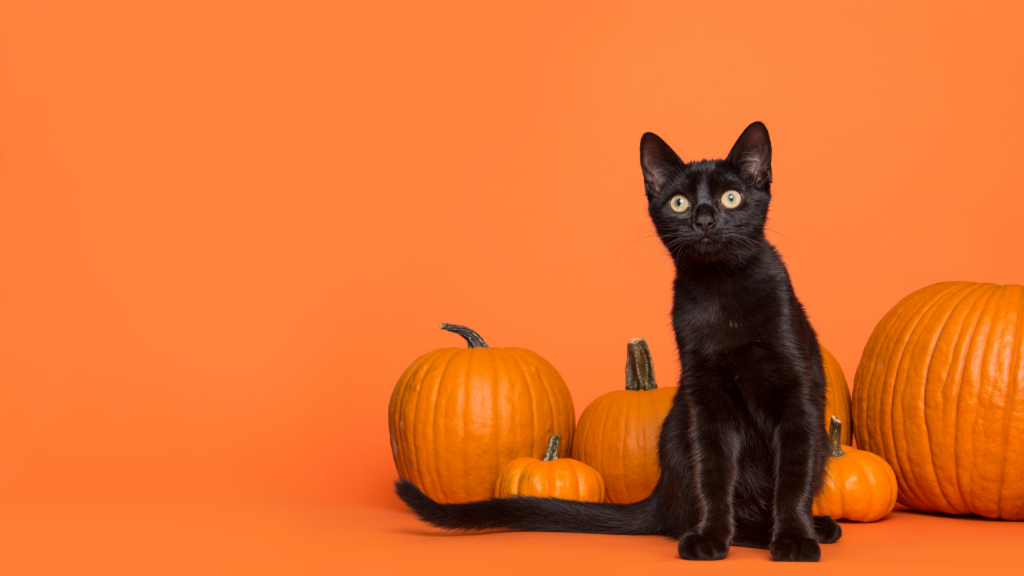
(835, 429)
(552, 452)
(639, 366)
(472, 338)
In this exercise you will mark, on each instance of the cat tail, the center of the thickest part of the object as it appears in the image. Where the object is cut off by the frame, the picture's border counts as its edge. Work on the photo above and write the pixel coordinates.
(535, 514)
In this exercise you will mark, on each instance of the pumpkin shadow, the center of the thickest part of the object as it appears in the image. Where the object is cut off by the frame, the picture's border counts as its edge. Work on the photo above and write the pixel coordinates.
(969, 517)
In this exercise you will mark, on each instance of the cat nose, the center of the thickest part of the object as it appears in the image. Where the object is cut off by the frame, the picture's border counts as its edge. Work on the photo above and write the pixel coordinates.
(705, 218)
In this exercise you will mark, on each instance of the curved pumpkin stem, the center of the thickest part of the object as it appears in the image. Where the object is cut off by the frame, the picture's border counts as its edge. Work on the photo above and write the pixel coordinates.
(835, 430)
(472, 338)
(639, 366)
(552, 451)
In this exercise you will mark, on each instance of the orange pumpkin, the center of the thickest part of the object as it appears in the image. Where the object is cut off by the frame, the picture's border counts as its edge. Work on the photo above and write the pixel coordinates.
(552, 477)
(458, 415)
(618, 432)
(858, 486)
(837, 395)
(939, 393)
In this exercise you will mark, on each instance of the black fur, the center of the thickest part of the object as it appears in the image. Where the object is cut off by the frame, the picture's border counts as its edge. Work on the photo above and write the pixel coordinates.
(743, 449)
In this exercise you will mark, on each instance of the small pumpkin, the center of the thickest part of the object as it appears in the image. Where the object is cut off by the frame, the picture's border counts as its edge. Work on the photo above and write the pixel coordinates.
(837, 395)
(618, 432)
(552, 477)
(457, 416)
(939, 393)
(858, 485)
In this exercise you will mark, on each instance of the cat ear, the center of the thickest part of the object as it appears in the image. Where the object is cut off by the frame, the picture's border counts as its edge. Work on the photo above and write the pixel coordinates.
(752, 155)
(658, 162)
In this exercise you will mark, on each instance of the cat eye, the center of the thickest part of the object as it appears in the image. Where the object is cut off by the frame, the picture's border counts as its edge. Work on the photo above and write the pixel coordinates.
(731, 199)
(679, 203)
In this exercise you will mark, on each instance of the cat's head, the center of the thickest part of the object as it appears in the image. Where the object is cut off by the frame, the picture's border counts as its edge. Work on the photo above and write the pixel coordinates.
(710, 210)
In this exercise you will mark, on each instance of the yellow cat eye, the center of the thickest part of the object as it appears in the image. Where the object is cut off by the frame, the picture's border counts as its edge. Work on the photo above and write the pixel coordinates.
(731, 199)
(679, 203)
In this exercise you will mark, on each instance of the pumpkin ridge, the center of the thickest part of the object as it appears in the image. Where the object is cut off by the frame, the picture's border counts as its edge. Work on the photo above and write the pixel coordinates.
(895, 407)
(503, 391)
(617, 431)
(600, 430)
(569, 436)
(396, 398)
(403, 385)
(1014, 453)
(410, 439)
(557, 393)
(423, 471)
(994, 395)
(877, 363)
(532, 409)
(866, 399)
(624, 432)
(984, 393)
(574, 482)
(918, 476)
(607, 437)
(964, 488)
(516, 375)
(1008, 411)
(533, 404)
(496, 431)
(932, 437)
(995, 338)
(979, 292)
(439, 436)
(517, 475)
(951, 298)
(413, 469)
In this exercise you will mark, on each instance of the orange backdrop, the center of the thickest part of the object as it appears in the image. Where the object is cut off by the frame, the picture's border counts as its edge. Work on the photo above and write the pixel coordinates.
(227, 227)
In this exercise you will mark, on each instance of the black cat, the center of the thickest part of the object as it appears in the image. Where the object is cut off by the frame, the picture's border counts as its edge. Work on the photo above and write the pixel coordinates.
(743, 448)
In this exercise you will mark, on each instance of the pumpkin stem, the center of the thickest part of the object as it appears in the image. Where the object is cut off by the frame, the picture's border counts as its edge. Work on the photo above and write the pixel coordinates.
(552, 452)
(472, 338)
(639, 366)
(835, 429)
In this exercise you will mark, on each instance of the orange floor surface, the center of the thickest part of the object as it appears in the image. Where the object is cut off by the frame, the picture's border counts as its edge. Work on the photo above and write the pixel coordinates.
(344, 540)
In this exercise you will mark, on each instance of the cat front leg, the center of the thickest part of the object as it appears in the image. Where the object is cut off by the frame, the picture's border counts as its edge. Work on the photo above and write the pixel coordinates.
(715, 440)
(778, 391)
(794, 538)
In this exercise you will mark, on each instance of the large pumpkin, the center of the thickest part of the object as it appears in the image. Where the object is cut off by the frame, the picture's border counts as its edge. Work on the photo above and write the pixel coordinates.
(858, 485)
(552, 477)
(458, 415)
(837, 396)
(939, 393)
(618, 432)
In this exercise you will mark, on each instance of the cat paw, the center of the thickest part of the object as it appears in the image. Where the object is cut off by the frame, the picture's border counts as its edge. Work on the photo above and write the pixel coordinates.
(828, 530)
(700, 547)
(795, 549)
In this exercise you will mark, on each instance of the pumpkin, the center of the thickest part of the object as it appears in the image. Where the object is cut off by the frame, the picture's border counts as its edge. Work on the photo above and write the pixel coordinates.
(939, 393)
(457, 416)
(837, 395)
(618, 432)
(552, 477)
(858, 485)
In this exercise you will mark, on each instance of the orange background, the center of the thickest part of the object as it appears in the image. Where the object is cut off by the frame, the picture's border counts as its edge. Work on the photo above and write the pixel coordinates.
(227, 227)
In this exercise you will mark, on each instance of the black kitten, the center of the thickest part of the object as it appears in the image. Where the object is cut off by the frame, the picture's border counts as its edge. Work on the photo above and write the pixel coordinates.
(743, 449)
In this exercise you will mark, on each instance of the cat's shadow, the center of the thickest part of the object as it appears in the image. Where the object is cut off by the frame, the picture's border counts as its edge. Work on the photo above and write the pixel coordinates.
(438, 533)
